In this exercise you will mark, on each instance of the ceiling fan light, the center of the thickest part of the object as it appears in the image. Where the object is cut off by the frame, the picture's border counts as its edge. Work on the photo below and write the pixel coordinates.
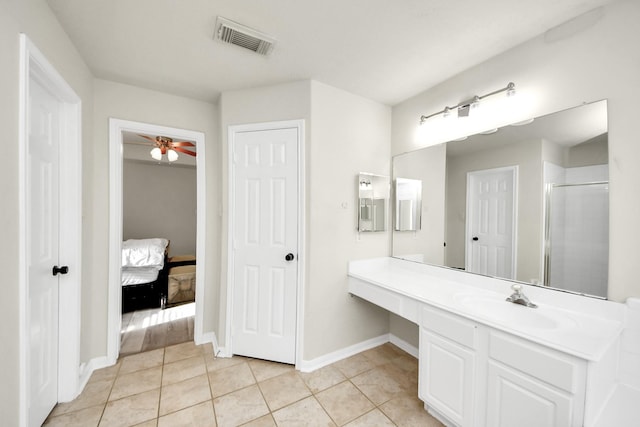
(172, 155)
(156, 153)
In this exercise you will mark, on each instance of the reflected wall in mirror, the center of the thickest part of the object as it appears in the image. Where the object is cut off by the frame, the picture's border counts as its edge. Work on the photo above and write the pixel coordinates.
(408, 212)
(560, 193)
(373, 201)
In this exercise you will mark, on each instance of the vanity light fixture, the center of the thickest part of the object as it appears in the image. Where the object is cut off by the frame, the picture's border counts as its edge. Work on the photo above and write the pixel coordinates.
(465, 107)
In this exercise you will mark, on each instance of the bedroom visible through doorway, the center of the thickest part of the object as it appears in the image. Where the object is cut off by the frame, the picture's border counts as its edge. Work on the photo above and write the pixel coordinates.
(157, 235)
(159, 241)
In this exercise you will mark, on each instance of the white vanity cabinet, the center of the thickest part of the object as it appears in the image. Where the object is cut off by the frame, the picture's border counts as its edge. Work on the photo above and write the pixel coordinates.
(474, 375)
(447, 365)
(484, 362)
(531, 385)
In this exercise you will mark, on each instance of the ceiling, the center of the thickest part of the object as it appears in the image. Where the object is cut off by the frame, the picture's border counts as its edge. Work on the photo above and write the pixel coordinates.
(384, 50)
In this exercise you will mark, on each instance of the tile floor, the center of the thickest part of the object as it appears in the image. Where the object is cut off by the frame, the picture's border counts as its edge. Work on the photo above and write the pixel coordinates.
(184, 385)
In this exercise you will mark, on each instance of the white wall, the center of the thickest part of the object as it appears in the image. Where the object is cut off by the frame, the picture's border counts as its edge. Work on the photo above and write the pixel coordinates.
(33, 18)
(114, 100)
(345, 135)
(588, 59)
(159, 200)
(349, 134)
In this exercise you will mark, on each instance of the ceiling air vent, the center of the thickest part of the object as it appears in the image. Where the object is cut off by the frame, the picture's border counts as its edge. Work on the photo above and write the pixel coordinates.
(239, 35)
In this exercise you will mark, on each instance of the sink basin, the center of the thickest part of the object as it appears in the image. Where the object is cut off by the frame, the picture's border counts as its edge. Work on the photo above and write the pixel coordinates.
(499, 310)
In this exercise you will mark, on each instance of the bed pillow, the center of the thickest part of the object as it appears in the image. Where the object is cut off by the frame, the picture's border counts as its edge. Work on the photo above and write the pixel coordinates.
(144, 252)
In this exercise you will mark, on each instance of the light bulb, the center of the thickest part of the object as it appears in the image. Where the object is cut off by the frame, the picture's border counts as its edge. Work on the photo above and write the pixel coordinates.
(156, 153)
(172, 155)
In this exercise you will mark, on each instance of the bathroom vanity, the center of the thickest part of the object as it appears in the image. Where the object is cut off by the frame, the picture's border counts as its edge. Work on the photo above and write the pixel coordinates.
(484, 361)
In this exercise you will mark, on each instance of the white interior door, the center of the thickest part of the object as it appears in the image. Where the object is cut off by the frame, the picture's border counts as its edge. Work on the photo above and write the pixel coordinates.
(42, 252)
(491, 222)
(264, 242)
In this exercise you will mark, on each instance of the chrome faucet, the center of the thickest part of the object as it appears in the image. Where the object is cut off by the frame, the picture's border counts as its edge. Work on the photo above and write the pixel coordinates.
(519, 298)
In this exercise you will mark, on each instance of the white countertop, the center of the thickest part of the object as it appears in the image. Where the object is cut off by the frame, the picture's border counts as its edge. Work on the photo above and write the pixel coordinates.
(580, 326)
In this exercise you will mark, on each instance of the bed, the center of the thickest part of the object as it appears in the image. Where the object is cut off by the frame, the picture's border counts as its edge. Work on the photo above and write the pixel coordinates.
(144, 273)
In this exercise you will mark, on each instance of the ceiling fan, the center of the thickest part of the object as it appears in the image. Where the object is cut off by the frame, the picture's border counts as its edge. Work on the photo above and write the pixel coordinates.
(166, 145)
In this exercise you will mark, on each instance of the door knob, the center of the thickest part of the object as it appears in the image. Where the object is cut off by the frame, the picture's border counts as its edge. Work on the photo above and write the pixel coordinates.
(60, 270)
(289, 257)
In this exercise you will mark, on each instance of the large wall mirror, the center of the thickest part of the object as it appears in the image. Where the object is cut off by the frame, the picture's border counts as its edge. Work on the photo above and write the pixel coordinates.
(527, 202)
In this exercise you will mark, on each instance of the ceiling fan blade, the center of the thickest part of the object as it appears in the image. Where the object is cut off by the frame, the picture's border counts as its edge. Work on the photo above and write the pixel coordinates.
(183, 144)
(182, 150)
(149, 138)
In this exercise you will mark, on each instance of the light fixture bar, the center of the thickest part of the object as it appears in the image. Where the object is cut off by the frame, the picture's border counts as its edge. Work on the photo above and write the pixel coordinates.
(509, 88)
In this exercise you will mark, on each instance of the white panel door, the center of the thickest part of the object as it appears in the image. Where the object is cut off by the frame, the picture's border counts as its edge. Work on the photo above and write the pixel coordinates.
(491, 222)
(42, 251)
(265, 238)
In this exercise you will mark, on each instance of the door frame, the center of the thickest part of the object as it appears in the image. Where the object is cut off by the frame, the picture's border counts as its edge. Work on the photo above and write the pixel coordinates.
(34, 66)
(514, 217)
(227, 351)
(116, 128)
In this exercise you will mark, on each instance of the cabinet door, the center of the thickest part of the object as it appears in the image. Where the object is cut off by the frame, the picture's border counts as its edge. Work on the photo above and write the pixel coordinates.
(516, 399)
(446, 379)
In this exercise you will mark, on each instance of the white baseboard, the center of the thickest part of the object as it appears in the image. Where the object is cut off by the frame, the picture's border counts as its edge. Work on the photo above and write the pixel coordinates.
(328, 359)
(403, 345)
(85, 371)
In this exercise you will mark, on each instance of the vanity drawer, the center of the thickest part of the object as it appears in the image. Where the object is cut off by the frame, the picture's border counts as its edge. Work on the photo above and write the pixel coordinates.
(450, 326)
(555, 368)
(396, 303)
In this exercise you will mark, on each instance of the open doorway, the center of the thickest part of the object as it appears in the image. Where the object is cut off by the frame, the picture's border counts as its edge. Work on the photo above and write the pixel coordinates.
(157, 211)
(159, 214)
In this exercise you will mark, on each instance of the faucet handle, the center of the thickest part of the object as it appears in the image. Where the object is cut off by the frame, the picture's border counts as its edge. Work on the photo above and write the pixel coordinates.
(517, 288)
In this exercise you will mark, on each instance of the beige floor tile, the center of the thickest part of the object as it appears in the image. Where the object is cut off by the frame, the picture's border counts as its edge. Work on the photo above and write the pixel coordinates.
(136, 382)
(408, 411)
(407, 380)
(230, 379)
(187, 393)
(283, 390)
(264, 370)
(344, 402)
(94, 393)
(200, 415)
(182, 351)
(265, 421)
(217, 363)
(131, 410)
(407, 363)
(89, 417)
(240, 407)
(305, 413)
(322, 378)
(140, 361)
(150, 423)
(373, 418)
(108, 373)
(380, 355)
(183, 369)
(378, 385)
(354, 365)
